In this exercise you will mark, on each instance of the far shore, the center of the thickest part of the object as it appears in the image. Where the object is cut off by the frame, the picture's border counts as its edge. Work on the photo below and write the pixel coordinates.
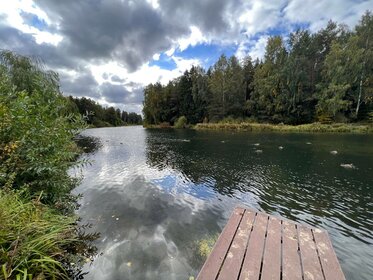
(249, 126)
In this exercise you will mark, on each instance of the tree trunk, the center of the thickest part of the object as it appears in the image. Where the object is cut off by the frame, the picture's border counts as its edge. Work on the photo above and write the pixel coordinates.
(362, 77)
(359, 98)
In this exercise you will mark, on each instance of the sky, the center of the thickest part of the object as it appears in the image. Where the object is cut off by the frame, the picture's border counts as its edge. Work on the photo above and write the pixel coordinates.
(108, 50)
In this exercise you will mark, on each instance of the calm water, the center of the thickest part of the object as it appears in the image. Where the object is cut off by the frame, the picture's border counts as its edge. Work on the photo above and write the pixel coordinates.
(152, 194)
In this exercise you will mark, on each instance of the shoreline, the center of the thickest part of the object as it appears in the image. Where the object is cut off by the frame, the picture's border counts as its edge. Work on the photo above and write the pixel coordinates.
(309, 128)
(259, 127)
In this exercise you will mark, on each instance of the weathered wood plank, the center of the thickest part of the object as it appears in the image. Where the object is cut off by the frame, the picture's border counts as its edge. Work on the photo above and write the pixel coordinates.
(332, 269)
(291, 267)
(250, 247)
(253, 259)
(310, 260)
(212, 266)
(233, 261)
(272, 254)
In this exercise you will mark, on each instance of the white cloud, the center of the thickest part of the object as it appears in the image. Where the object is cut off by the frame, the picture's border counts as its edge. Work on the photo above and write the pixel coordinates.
(195, 37)
(258, 48)
(12, 10)
(156, 56)
(259, 15)
(253, 48)
(170, 52)
(154, 3)
(318, 13)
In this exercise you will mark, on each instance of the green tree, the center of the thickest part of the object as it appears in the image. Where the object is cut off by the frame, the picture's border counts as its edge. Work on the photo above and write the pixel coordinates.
(218, 89)
(36, 147)
(270, 98)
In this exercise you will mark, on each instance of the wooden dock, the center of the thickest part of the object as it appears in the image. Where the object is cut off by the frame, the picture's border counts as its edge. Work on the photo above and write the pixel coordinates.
(257, 246)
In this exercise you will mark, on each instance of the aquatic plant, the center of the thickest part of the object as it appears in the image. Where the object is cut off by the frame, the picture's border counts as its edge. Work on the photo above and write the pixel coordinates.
(206, 245)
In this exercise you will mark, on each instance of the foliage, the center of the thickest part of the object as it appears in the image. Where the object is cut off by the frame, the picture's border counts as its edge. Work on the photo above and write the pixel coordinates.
(99, 116)
(36, 147)
(312, 127)
(202, 248)
(325, 76)
(36, 242)
(181, 122)
(206, 245)
(38, 238)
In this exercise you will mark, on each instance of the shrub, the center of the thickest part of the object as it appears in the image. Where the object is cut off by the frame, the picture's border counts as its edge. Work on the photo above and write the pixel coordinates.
(181, 122)
(37, 239)
(36, 146)
(164, 125)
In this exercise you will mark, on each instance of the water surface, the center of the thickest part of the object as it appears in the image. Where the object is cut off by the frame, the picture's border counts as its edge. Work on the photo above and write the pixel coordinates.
(153, 194)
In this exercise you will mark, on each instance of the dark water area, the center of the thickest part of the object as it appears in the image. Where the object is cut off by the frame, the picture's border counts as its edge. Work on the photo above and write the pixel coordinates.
(153, 194)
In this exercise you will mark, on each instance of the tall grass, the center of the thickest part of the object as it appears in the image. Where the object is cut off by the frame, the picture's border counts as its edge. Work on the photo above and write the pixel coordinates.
(313, 127)
(36, 242)
(39, 237)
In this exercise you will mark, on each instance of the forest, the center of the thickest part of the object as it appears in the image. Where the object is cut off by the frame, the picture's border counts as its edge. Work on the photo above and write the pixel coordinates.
(98, 116)
(304, 77)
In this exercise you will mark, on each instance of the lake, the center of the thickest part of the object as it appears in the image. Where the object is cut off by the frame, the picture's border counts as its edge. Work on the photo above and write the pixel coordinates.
(155, 194)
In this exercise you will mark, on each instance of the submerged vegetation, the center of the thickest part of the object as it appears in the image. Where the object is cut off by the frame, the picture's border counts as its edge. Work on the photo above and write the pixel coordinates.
(39, 236)
(206, 245)
(321, 77)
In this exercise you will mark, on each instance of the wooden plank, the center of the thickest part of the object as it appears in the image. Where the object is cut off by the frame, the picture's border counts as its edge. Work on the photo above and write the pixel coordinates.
(250, 247)
(212, 265)
(291, 267)
(253, 259)
(310, 260)
(233, 261)
(272, 254)
(332, 269)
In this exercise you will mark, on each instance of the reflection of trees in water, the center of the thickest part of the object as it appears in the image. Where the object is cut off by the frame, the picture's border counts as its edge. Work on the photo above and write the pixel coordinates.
(88, 144)
(291, 182)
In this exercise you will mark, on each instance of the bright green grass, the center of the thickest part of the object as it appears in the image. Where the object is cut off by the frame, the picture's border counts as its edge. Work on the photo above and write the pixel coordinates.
(35, 241)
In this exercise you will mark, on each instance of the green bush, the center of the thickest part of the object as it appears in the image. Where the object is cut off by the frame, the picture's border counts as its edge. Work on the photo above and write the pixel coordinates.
(39, 237)
(181, 122)
(36, 132)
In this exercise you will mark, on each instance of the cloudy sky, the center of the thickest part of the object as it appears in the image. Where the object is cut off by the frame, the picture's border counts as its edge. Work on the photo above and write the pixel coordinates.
(109, 49)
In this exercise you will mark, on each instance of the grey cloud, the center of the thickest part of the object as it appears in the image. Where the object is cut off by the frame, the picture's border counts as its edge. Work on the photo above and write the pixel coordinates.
(82, 84)
(208, 15)
(105, 76)
(115, 78)
(15, 40)
(129, 32)
(120, 94)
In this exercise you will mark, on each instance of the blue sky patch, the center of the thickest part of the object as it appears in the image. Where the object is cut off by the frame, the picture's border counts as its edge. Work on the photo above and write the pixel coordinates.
(34, 20)
(164, 62)
(208, 54)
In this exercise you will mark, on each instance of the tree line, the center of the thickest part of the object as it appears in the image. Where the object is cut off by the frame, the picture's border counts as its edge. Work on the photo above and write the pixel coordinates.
(99, 116)
(325, 76)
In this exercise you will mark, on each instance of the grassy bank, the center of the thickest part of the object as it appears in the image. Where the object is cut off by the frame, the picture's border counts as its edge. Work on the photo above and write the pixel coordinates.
(39, 234)
(313, 127)
(36, 241)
